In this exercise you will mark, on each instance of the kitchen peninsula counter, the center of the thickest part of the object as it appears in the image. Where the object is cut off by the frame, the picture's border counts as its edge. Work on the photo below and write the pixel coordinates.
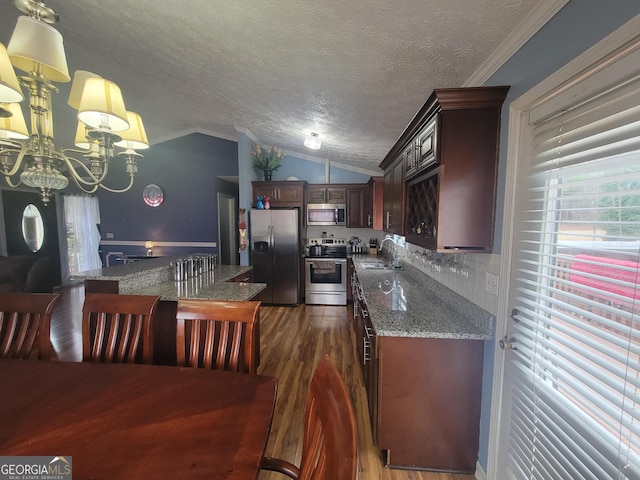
(408, 303)
(155, 277)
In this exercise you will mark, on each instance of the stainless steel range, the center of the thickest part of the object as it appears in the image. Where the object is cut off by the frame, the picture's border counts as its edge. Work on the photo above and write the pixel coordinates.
(326, 271)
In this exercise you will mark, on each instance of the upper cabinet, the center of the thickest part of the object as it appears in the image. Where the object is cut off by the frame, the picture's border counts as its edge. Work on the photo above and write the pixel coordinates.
(281, 193)
(326, 194)
(447, 157)
(358, 206)
(375, 203)
(393, 197)
(363, 201)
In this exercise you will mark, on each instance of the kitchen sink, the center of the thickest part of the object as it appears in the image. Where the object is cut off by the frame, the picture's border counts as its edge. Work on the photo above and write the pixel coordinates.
(373, 265)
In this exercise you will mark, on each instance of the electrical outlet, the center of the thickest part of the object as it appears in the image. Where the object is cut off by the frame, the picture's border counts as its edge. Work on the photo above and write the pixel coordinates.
(491, 283)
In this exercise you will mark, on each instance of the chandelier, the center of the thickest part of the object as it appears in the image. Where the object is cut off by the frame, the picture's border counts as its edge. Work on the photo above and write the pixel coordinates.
(29, 156)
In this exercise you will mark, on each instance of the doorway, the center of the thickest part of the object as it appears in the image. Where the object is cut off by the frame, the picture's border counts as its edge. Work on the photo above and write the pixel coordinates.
(228, 230)
(566, 376)
(25, 235)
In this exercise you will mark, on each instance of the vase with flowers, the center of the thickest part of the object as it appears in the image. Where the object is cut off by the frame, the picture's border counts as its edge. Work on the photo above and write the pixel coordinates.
(266, 160)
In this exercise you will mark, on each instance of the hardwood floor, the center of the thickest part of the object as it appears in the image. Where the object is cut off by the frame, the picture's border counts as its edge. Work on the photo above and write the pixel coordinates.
(293, 339)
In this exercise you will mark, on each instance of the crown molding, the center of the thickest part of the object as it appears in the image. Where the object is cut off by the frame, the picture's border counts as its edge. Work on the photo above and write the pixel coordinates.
(539, 16)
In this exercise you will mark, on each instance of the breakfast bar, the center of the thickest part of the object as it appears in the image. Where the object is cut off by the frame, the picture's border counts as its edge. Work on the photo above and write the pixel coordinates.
(155, 277)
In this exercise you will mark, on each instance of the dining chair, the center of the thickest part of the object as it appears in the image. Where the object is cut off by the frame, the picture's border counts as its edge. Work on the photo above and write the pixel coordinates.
(118, 328)
(25, 317)
(330, 443)
(220, 335)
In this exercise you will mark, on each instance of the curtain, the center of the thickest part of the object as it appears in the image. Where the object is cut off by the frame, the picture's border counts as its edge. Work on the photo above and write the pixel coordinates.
(81, 219)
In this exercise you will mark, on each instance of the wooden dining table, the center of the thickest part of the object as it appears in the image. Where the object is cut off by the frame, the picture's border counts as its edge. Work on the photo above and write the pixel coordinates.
(138, 422)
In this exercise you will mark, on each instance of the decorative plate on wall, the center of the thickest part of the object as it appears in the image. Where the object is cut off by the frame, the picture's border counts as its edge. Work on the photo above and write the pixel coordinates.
(153, 195)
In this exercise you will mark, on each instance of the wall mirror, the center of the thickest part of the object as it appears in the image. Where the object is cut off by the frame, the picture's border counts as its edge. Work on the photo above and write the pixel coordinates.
(32, 227)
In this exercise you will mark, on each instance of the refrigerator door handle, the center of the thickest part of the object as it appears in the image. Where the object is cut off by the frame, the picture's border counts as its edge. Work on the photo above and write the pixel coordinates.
(271, 238)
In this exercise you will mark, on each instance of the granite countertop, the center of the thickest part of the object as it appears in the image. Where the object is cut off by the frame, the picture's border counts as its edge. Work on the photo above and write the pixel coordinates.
(120, 272)
(408, 303)
(155, 277)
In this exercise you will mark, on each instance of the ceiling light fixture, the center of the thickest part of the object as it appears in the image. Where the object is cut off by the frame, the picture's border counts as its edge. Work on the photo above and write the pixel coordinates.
(30, 157)
(312, 141)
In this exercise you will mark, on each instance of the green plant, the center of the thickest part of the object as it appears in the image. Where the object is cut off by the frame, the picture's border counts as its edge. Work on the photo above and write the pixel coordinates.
(268, 160)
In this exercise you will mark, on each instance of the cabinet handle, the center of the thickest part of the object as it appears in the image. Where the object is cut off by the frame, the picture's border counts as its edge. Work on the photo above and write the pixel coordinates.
(365, 351)
(369, 220)
(368, 331)
(388, 219)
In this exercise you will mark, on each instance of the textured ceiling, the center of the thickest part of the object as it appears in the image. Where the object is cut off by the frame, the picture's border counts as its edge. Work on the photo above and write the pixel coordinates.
(355, 72)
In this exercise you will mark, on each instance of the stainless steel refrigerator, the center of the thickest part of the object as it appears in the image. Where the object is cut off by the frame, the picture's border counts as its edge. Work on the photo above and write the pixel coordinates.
(275, 254)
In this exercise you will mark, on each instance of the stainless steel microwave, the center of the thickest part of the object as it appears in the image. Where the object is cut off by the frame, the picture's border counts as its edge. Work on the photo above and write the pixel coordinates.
(326, 214)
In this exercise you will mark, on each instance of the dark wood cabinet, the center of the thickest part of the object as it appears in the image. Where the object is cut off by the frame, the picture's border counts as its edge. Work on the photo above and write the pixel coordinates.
(424, 394)
(358, 206)
(367, 352)
(358, 198)
(281, 193)
(428, 402)
(375, 202)
(450, 155)
(426, 153)
(393, 202)
(326, 193)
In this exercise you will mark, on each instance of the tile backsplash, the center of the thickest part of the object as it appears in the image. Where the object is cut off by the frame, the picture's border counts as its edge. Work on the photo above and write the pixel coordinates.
(472, 275)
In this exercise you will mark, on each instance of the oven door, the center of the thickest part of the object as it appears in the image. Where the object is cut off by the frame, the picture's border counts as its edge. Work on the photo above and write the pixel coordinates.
(326, 274)
(326, 281)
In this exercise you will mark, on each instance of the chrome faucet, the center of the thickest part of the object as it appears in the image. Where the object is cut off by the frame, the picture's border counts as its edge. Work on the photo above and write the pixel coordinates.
(394, 250)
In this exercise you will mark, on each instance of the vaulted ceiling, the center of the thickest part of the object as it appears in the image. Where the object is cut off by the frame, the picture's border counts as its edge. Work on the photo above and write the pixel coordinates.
(355, 72)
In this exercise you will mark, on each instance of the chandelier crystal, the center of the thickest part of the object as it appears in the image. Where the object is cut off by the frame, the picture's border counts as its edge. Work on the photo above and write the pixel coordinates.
(29, 156)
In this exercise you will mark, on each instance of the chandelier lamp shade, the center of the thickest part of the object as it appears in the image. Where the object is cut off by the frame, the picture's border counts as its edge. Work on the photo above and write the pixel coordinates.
(312, 141)
(28, 155)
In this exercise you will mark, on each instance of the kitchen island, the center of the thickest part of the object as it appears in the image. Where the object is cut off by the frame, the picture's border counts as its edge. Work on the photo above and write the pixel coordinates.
(155, 277)
(422, 350)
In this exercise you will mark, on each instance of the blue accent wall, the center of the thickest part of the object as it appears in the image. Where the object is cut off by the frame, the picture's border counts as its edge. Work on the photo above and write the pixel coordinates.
(187, 170)
(314, 171)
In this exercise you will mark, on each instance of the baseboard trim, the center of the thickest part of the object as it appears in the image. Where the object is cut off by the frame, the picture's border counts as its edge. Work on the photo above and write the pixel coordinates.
(480, 473)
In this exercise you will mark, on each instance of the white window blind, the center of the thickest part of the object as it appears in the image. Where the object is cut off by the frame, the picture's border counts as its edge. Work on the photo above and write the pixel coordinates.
(575, 412)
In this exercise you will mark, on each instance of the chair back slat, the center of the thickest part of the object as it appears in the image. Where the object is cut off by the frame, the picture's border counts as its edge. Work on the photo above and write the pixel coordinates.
(329, 406)
(25, 324)
(330, 443)
(221, 335)
(118, 328)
